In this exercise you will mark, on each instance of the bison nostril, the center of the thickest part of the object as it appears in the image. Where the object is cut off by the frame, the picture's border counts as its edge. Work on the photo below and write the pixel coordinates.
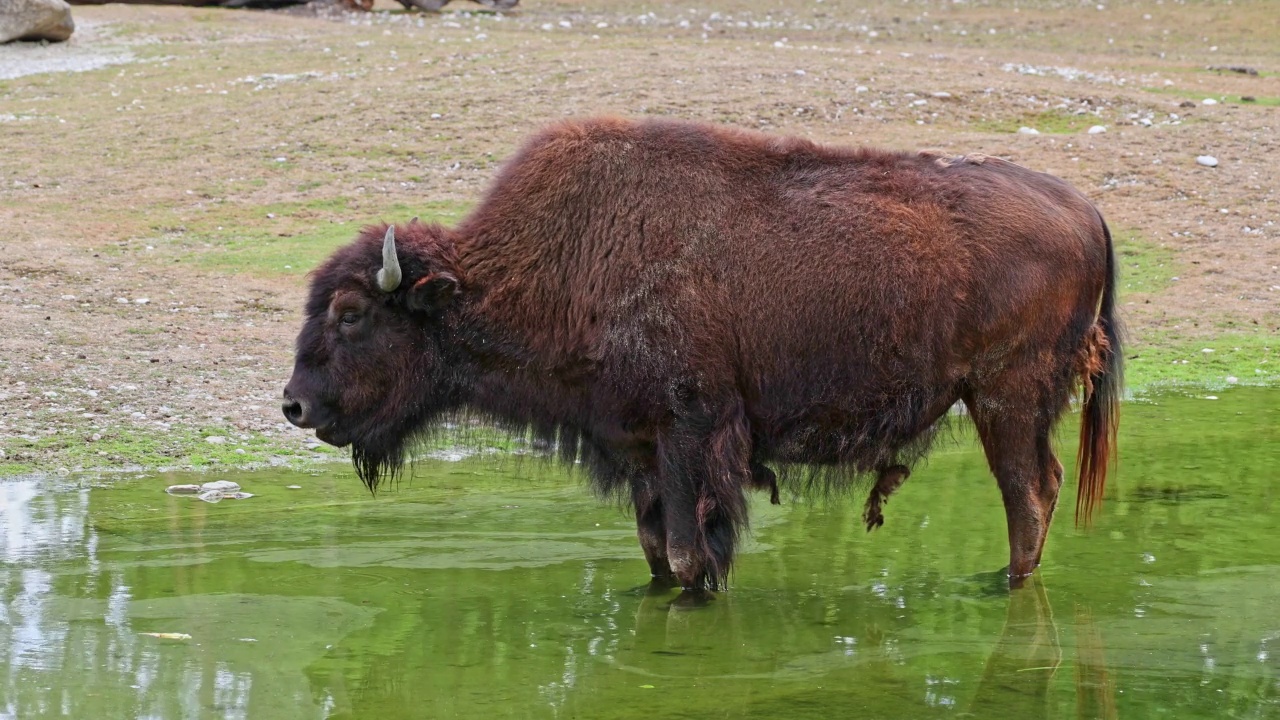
(295, 411)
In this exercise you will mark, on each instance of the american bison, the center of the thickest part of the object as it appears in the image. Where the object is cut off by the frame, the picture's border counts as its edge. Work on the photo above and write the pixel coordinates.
(676, 304)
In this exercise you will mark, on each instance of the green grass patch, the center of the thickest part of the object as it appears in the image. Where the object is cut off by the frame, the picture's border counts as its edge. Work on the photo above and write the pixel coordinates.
(300, 236)
(1051, 122)
(1144, 267)
(1199, 95)
(1170, 358)
(144, 448)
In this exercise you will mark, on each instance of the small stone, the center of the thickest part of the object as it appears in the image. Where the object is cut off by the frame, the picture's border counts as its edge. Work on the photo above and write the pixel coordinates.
(1097, 129)
(1207, 161)
(239, 495)
(1028, 131)
(1210, 397)
(942, 95)
(1232, 379)
(215, 440)
(222, 486)
(861, 89)
(294, 487)
(183, 489)
(1209, 101)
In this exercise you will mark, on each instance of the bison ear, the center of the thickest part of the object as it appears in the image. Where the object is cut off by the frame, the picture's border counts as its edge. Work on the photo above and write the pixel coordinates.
(433, 292)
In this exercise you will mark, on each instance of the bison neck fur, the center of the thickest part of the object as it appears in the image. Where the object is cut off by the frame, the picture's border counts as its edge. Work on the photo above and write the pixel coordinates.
(677, 305)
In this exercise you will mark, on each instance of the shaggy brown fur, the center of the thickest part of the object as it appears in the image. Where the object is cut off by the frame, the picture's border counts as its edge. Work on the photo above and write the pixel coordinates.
(676, 304)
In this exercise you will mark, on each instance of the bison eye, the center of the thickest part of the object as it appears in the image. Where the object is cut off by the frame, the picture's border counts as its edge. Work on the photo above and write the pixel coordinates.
(350, 318)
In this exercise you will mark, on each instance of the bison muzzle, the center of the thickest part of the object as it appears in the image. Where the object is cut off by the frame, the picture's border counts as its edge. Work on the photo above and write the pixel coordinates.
(687, 309)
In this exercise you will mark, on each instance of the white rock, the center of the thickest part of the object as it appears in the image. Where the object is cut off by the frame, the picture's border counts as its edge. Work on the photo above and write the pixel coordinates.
(215, 440)
(1209, 101)
(861, 89)
(1207, 161)
(182, 489)
(1097, 129)
(294, 487)
(35, 20)
(1028, 131)
(1232, 380)
(222, 486)
(211, 496)
(942, 95)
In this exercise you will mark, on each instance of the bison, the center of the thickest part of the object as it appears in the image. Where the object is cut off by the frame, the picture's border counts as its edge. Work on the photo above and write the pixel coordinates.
(681, 306)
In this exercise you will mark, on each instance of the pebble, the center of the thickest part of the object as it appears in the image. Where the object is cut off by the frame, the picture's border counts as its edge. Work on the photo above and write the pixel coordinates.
(182, 489)
(1232, 380)
(294, 487)
(1209, 101)
(215, 440)
(1207, 161)
(942, 95)
(223, 486)
(1028, 131)
(1097, 129)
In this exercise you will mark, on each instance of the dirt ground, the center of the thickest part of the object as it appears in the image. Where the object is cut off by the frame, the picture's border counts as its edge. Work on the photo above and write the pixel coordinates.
(170, 174)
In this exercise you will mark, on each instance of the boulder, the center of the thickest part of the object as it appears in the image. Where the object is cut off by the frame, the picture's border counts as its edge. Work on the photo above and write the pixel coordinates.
(35, 20)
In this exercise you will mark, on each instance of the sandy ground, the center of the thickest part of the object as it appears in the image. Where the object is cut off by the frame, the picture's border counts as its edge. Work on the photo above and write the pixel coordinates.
(153, 199)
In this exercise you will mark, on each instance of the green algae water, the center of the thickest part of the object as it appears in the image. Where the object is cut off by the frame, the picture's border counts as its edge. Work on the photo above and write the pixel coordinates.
(497, 587)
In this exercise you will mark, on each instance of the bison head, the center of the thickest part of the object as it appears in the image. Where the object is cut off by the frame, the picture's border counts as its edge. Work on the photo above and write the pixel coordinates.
(372, 367)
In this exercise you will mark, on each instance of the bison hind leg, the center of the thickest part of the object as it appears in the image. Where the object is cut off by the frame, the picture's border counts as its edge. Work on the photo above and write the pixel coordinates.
(890, 479)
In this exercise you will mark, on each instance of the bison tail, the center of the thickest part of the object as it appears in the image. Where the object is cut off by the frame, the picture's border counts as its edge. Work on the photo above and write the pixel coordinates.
(1102, 376)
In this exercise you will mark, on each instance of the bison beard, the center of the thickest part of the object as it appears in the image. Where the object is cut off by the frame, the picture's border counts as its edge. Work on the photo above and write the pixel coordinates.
(680, 307)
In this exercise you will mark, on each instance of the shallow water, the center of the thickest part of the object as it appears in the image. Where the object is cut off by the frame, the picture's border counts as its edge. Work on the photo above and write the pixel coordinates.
(496, 587)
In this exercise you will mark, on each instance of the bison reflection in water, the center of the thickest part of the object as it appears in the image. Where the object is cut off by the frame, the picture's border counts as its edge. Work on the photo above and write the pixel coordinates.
(677, 304)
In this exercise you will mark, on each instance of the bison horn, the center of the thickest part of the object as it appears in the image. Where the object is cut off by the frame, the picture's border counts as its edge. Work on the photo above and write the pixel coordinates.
(389, 276)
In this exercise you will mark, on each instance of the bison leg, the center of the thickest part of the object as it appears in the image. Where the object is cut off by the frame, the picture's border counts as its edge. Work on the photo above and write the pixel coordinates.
(763, 478)
(702, 475)
(1019, 450)
(652, 533)
(891, 478)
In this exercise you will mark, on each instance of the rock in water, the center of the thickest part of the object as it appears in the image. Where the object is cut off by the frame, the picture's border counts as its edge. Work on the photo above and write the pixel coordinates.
(35, 20)
(211, 496)
(222, 486)
(183, 489)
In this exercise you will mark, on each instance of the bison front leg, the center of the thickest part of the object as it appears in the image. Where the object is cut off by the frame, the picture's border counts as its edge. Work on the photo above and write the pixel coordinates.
(702, 475)
(651, 530)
